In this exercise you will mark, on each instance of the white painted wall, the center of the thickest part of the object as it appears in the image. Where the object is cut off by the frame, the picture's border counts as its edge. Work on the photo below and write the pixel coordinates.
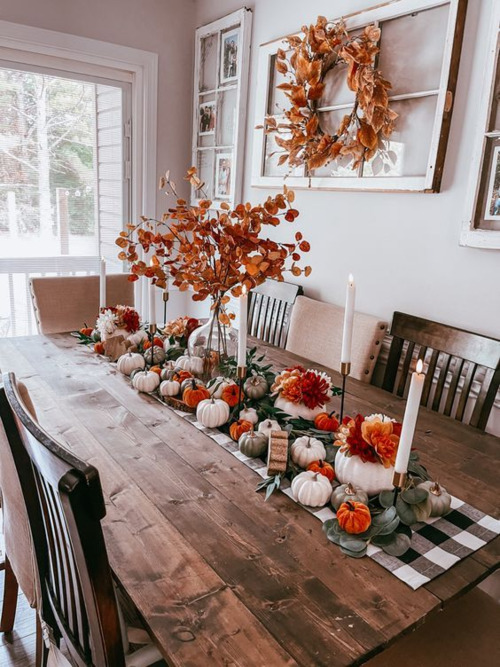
(402, 248)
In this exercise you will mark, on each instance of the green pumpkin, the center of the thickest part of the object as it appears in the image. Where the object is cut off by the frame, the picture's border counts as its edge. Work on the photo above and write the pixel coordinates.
(348, 492)
(439, 499)
(253, 444)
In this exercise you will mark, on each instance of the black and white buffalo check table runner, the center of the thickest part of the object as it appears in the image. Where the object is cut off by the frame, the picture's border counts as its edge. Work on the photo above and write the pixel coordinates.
(436, 545)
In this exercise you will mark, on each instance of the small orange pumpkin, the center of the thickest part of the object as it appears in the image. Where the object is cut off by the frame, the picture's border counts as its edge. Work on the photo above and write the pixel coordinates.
(99, 348)
(231, 395)
(156, 369)
(326, 422)
(156, 342)
(323, 468)
(182, 375)
(354, 517)
(86, 331)
(195, 394)
(238, 428)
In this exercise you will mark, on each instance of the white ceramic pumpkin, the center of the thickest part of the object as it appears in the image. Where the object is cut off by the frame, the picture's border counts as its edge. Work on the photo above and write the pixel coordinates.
(129, 362)
(305, 450)
(212, 412)
(311, 489)
(297, 409)
(156, 354)
(267, 426)
(249, 415)
(371, 477)
(170, 388)
(192, 364)
(218, 386)
(138, 336)
(146, 381)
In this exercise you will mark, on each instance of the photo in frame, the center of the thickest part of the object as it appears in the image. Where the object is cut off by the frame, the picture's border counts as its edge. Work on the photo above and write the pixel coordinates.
(207, 118)
(223, 175)
(492, 211)
(229, 56)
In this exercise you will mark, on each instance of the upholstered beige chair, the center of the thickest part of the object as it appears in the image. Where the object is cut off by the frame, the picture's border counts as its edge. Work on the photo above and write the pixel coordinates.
(316, 333)
(66, 303)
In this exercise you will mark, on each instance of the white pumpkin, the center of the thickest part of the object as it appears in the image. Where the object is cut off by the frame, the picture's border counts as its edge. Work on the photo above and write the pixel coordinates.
(130, 362)
(166, 370)
(212, 412)
(311, 489)
(305, 450)
(192, 364)
(167, 345)
(170, 388)
(371, 477)
(218, 386)
(146, 381)
(138, 336)
(156, 354)
(268, 425)
(297, 409)
(249, 415)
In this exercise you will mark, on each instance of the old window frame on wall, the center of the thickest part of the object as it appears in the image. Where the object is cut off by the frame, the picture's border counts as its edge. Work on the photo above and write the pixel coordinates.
(476, 230)
(224, 154)
(428, 182)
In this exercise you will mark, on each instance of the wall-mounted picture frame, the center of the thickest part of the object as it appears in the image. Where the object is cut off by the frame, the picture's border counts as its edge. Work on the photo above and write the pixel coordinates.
(422, 94)
(207, 118)
(222, 60)
(492, 211)
(229, 56)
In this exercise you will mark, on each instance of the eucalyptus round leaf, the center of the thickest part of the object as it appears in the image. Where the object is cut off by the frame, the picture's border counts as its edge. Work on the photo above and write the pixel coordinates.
(384, 517)
(352, 543)
(404, 529)
(353, 554)
(398, 546)
(414, 496)
(331, 452)
(382, 540)
(390, 527)
(386, 498)
(405, 512)
(333, 536)
(328, 524)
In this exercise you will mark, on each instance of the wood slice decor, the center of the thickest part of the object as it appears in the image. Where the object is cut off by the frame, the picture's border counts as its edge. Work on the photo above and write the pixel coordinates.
(178, 404)
(277, 453)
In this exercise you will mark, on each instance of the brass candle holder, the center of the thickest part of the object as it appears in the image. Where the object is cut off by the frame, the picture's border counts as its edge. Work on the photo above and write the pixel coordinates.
(165, 296)
(399, 483)
(151, 335)
(241, 374)
(345, 370)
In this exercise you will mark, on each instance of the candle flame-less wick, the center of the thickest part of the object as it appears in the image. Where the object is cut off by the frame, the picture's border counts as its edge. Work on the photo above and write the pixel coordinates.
(351, 279)
(420, 366)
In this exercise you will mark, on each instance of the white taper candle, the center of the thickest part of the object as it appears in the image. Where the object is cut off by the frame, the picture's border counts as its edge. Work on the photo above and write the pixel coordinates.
(410, 419)
(102, 283)
(152, 304)
(242, 331)
(350, 297)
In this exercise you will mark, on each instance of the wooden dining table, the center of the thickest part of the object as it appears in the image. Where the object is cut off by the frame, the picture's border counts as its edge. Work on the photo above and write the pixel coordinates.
(219, 576)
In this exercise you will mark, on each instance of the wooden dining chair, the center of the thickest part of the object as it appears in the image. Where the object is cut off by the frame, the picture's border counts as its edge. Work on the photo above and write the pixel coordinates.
(316, 334)
(67, 303)
(462, 368)
(269, 309)
(65, 506)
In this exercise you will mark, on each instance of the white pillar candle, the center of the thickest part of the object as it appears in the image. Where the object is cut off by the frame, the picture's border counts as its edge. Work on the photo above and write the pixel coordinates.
(152, 304)
(410, 419)
(350, 296)
(102, 283)
(242, 332)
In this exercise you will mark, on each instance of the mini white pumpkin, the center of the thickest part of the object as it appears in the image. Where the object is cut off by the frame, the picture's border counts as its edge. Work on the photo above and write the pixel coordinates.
(170, 388)
(156, 353)
(256, 386)
(192, 364)
(138, 336)
(305, 450)
(249, 415)
(146, 381)
(311, 489)
(298, 409)
(371, 477)
(268, 425)
(212, 412)
(129, 362)
(166, 373)
(218, 386)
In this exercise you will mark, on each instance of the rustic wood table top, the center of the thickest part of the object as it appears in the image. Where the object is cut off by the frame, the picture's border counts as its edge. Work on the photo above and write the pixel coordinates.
(220, 576)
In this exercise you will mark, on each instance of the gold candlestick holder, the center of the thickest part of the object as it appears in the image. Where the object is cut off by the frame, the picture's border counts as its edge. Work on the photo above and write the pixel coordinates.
(399, 483)
(166, 297)
(345, 370)
(241, 375)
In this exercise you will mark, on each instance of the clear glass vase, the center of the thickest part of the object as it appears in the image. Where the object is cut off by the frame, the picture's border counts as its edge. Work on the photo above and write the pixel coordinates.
(213, 342)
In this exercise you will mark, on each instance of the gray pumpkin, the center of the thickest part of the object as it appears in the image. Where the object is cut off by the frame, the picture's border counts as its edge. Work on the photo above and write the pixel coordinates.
(256, 386)
(253, 444)
(156, 354)
(346, 492)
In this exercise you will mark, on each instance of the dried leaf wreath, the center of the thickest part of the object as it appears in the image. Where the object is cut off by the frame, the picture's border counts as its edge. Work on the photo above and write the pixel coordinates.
(324, 46)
